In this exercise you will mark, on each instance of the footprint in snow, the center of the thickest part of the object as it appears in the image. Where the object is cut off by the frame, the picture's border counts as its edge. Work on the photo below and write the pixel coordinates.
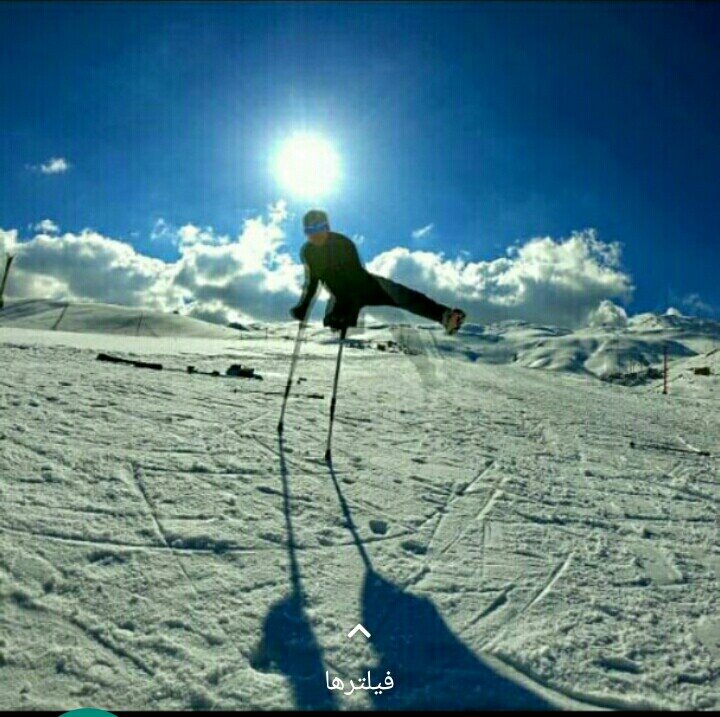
(412, 546)
(379, 527)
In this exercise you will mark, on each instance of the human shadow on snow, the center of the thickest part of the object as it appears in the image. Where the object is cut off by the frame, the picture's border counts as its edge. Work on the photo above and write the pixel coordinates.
(430, 666)
(288, 644)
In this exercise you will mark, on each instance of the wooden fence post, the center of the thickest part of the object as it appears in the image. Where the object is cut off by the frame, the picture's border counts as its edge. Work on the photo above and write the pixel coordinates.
(8, 261)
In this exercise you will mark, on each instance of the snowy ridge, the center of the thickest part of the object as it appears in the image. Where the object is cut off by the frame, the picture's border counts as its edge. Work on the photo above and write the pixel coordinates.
(105, 319)
(601, 352)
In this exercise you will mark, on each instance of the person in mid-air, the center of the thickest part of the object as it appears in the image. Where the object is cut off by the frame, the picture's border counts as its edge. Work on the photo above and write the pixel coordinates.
(332, 258)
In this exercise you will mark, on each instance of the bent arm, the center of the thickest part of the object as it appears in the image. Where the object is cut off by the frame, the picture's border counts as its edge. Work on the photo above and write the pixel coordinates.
(310, 286)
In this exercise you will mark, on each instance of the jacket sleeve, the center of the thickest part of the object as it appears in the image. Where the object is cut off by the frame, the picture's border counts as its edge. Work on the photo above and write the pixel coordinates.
(311, 283)
(350, 257)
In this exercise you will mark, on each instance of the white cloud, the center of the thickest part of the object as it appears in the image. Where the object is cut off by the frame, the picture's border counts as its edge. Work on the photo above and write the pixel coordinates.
(91, 266)
(186, 235)
(545, 280)
(162, 230)
(8, 241)
(47, 226)
(278, 212)
(253, 276)
(694, 303)
(55, 165)
(189, 234)
(423, 231)
(250, 276)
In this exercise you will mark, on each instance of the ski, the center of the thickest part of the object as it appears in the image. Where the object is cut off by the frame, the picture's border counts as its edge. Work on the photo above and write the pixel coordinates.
(130, 362)
(235, 371)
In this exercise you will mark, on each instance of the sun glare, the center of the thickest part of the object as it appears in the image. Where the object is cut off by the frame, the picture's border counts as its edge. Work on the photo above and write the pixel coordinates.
(307, 165)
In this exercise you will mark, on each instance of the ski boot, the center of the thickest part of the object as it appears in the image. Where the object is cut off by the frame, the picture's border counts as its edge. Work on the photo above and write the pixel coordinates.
(452, 320)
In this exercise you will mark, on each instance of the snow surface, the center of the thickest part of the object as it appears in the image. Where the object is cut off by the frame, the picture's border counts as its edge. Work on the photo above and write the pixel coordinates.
(490, 524)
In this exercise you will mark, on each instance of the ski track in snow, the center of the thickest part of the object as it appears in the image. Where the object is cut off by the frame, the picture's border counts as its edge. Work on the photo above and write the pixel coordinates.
(144, 550)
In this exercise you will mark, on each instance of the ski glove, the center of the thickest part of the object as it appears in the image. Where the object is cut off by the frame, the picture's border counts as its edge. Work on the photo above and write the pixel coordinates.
(298, 312)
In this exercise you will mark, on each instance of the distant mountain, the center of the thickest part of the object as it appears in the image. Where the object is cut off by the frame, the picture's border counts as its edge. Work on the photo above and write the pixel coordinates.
(675, 321)
(601, 351)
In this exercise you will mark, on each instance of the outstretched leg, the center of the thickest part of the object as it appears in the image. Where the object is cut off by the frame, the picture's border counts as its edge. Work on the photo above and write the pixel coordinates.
(389, 293)
(385, 292)
(378, 291)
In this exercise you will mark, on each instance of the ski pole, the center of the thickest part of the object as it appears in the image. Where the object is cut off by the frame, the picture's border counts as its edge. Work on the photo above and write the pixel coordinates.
(296, 352)
(328, 456)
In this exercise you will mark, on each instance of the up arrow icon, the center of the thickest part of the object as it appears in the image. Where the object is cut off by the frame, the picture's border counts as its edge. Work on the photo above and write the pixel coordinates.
(357, 628)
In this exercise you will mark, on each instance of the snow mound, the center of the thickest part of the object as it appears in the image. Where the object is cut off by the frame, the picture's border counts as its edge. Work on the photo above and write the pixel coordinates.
(556, 356)
(697, 376)
(97, 318)
(608, 314)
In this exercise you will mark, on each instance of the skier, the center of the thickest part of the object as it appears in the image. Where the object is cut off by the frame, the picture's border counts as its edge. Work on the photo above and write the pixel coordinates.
(332, 258)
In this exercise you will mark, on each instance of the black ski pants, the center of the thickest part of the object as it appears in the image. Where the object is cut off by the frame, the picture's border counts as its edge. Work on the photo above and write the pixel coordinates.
(378, 291)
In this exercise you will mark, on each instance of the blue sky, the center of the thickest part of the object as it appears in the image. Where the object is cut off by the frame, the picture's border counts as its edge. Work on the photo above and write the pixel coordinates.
(494, 122)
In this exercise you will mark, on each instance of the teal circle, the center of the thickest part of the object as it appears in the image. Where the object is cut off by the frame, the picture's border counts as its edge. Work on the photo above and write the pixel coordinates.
(88, 712)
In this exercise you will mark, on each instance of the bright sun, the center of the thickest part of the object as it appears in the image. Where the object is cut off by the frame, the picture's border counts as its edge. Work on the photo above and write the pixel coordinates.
(307, 165)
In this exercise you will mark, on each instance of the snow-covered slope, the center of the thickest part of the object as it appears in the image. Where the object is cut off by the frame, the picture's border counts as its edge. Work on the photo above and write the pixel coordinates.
(105, 319)
(510, 537)
(697, 376)
(601, 351)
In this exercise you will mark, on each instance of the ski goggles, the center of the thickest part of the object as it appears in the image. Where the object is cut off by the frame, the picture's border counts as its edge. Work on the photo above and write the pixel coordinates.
(315, 228)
